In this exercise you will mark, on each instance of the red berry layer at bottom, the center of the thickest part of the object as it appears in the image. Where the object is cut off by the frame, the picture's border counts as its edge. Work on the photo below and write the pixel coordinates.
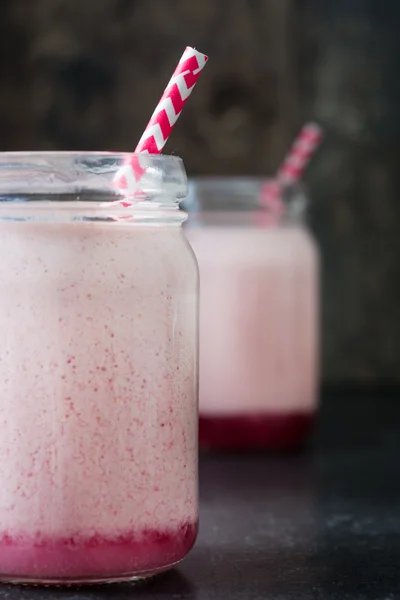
(255, 432)
(95, 557)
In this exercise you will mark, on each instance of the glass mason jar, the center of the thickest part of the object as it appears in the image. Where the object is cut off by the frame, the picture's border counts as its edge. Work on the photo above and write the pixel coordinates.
(258, 316)
(98, 370)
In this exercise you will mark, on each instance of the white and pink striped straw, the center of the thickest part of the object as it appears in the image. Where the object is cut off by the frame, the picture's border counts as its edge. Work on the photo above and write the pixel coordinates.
(163, 119)
(292, 169)
(300, 154)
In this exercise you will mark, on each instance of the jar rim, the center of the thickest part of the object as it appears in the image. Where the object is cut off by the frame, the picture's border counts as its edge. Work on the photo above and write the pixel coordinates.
(211, 194)
(24, 173)
(172, 158)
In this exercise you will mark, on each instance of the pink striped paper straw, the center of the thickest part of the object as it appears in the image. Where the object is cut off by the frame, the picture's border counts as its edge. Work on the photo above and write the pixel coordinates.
(291, 170)
(300, 154)
(164, 117)
(271, 200)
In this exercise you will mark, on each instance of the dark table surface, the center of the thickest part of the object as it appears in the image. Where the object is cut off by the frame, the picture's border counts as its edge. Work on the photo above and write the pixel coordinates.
(322, 525)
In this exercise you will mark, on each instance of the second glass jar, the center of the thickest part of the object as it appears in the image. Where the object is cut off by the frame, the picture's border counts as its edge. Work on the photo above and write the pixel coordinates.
(258, 316)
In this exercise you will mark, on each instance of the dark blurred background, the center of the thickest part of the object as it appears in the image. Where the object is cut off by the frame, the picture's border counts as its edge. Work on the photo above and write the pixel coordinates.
(86, 74)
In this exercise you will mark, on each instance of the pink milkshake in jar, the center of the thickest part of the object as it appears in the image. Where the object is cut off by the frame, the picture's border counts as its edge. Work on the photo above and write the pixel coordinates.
(98, 370)
(258, 315)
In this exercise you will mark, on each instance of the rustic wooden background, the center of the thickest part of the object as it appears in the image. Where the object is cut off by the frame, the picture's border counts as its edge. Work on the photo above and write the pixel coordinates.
(80, 74)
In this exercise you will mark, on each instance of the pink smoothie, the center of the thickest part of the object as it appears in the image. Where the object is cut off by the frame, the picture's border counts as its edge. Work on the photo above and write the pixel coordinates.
(98, 419)
(258, 335)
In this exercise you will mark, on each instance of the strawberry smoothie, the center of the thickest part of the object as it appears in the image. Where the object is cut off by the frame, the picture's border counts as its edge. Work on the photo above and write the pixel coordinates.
(258, 334)
(98, 400)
